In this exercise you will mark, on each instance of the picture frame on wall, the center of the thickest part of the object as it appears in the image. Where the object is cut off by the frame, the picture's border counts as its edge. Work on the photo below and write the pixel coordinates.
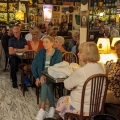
(64, 19)
(70, 18)
(56, 21)
(84, 18)
(64, 9)
(40, 1)
(56, 8)
(40, 9)
(56, 15)
(77, 3)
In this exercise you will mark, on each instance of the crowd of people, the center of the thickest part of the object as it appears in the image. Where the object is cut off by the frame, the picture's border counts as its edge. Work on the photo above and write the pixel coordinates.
(49, 48)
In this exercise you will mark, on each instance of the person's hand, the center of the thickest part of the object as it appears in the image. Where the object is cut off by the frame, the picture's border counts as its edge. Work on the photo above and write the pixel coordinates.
(42, 79)
(37, 82)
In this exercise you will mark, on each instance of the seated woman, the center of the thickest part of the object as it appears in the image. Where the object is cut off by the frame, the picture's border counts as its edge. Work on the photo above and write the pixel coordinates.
(35, 43)
(58, 42)
(88, 53)
(113, 93)
(47, 56)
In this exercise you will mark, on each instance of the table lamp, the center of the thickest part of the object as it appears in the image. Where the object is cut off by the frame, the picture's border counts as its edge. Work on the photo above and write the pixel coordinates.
(103, 45)
(114, 40)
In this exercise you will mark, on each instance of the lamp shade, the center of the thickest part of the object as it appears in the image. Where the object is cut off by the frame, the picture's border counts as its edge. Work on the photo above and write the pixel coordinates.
(103, 45)
(114, 40)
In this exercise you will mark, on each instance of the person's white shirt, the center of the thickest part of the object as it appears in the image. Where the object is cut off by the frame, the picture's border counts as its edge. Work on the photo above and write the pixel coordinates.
(28, 36)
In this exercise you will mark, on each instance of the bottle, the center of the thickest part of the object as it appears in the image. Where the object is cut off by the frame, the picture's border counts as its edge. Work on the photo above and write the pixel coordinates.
(104, 3)
(107, 3)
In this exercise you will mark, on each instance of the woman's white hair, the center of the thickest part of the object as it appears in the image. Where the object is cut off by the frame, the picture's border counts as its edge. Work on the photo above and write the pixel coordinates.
(114, 33)
(60, 39)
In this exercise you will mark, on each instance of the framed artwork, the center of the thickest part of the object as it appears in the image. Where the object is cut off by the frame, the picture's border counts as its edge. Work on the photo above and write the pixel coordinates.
(77, 3)
(11, 16)
(64, 19)
(76, 19)
(3, 7)
(31, 14)
(70, 18)
(68, 3)
(56, 22)
(59, 2)
(47, 13)
(84, 18)
(40, 1)
(56, 8)
(47, 1)
(64, 9)
(40, 9)
(56, 15)
(4, 16)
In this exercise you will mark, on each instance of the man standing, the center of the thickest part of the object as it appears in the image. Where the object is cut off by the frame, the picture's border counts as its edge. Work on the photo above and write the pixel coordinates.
(16, 44)
(4, 40)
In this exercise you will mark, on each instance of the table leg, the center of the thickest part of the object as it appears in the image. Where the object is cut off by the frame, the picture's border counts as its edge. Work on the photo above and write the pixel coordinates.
(61, 86)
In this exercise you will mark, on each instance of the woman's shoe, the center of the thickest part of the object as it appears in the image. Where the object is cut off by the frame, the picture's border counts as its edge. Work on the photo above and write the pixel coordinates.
(40, 115)
(51, 112)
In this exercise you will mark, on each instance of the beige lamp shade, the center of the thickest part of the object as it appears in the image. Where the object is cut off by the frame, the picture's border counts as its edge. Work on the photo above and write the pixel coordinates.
(19, 15)
(114, 40)
(103, 45)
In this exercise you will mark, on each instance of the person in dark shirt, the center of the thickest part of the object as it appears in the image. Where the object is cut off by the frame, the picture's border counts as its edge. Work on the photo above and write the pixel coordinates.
(16, 44)
(100, 34)
(3, 31)
(4, 40)
(72, 42)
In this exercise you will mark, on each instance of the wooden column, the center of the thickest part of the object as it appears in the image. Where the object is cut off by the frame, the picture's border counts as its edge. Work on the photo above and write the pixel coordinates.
(84, 31)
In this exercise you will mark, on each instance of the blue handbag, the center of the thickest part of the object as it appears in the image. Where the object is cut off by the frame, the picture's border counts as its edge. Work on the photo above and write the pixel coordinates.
(27, 80)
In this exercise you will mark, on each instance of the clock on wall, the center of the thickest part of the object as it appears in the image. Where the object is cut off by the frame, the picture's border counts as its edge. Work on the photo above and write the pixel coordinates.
(84, 2)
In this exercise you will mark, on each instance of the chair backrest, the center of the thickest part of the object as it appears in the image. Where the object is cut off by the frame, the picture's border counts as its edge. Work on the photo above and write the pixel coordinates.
(69, 57)
(98, 91)
(27, 58)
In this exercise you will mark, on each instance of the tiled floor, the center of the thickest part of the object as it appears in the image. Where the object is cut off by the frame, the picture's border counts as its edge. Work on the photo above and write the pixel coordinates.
(13, 106)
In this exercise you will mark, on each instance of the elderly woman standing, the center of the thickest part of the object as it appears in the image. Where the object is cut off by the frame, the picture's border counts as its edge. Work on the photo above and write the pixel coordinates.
(58, 42)
(48, 56)
(88, 53)
(35, 43)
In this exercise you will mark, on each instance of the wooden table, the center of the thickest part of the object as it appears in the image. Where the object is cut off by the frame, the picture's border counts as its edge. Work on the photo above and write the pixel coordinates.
(58, 82)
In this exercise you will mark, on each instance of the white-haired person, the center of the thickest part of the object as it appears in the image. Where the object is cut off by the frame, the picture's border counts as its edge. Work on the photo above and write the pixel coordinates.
(88, 53)
(107, 32)
(58, 43)
(113, 33)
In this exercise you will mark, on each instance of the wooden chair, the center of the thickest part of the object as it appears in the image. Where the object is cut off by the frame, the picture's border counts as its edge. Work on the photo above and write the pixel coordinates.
(69, 57)
(113, 109)
(97, 90)
(25, 68)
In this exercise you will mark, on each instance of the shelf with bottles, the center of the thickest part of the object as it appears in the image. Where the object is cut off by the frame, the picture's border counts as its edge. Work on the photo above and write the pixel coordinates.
(103, 3)
(8, 9)
(101, 14)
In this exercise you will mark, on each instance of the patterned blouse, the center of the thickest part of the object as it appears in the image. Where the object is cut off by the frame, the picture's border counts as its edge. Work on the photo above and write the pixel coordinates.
(114, 78)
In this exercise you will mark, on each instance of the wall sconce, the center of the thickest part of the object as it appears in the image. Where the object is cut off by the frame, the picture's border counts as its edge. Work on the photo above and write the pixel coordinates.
(103, 45)
(19, 15)
(114, 40)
